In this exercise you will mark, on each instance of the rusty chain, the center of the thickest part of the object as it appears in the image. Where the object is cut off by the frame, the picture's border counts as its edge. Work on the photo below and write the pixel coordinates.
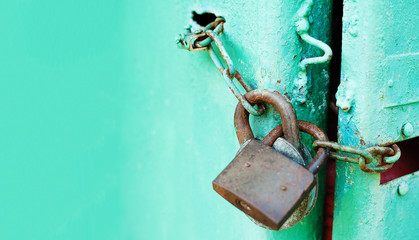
(373, 159)
(201, 41)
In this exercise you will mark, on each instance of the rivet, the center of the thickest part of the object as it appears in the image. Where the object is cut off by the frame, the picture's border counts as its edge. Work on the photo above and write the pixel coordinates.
(407, 129)
(247, 164)
(283, 188)
(390, 83)
(403, 188)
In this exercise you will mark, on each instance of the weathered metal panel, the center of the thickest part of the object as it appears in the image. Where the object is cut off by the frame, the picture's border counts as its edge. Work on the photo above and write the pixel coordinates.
(377, 96)
(380, 69)
(109, 131)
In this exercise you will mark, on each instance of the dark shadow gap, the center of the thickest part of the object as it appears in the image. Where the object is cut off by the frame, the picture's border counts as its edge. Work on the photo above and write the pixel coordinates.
(204, 18)
(332, 120)
(406, 164)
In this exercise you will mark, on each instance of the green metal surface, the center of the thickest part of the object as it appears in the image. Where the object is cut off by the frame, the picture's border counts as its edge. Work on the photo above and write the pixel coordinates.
(380, 69)
(109, 131)
(377, 97)
(62, 71)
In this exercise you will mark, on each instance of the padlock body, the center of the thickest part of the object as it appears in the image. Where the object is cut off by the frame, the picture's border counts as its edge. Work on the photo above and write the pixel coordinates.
(264, 184)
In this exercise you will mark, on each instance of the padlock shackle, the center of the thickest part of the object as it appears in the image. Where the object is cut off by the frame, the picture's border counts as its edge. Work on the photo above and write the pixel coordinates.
(311, 129)
(280, 103)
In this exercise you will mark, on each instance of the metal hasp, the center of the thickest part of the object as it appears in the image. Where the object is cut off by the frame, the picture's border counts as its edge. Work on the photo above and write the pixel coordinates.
(378, 101)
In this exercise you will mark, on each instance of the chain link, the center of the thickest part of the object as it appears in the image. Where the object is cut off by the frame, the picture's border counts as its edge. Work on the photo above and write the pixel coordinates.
(373, 159)
(201, 41)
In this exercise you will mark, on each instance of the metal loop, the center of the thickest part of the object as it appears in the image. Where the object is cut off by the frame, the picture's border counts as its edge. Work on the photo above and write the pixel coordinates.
(229, 80)
(231, 71)
(215, 59)
(396, 156)
(246, 87)
(220, 67)
(201, 41)
(192, 43)
(218, 26)
(372, 167)
(344, 158)
(389, 157)
(252, 110)
(313, 130)
(280, 103)
(346, 149)
(218, 21)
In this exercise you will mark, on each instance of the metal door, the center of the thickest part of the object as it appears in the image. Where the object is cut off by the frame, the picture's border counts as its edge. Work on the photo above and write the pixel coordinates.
(379, 102)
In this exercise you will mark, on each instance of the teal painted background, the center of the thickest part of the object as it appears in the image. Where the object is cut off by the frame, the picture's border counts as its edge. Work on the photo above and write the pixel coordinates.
(108, 131)
(63, 93)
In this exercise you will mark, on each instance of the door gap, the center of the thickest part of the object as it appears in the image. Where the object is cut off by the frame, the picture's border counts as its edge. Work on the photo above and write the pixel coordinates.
(332, 119)
(407, 163)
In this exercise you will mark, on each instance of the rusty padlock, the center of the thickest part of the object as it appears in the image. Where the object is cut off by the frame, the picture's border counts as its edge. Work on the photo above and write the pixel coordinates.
(263, 183)
(280, 144)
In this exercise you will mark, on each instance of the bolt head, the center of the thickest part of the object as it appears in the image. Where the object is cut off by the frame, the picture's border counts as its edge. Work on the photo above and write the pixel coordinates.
(407, 129)
(403, 188)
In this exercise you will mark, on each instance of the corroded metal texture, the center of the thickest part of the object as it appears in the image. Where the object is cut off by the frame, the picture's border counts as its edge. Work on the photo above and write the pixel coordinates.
(303, 159)
(280, 103)
(311, 129)
(255, 191)
(371, 159)
(264, 184)
(274, 140)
